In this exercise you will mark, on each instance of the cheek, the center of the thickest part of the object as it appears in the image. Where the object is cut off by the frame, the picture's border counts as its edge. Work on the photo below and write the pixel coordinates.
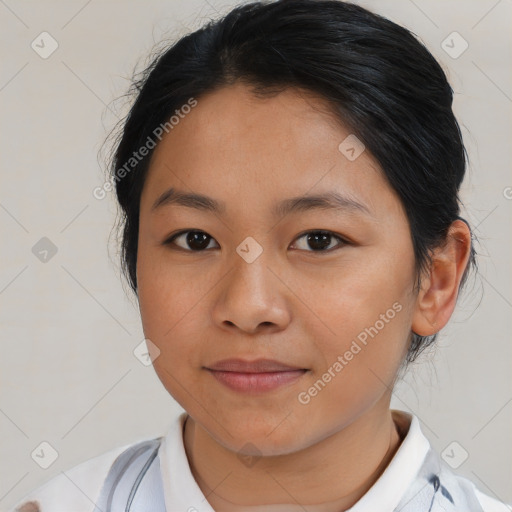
(368, 312)
(168, 295)
(170, 310)
(173, 306)
(358, 364)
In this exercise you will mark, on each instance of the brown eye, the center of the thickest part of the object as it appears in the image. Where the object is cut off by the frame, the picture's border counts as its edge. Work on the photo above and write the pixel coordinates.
(320, 241)
(193, 241)
(314, 241)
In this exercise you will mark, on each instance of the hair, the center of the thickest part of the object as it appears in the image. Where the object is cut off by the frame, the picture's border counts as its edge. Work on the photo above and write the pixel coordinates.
(376, 77)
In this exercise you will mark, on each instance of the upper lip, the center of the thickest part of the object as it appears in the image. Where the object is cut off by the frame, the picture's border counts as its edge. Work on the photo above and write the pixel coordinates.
(256, 366)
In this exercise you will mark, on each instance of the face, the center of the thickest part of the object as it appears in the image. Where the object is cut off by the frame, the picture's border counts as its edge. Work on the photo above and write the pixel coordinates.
(325, 290)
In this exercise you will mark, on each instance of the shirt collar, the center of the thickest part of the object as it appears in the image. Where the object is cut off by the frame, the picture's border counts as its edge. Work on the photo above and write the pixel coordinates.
(181, 491)
(386, 493)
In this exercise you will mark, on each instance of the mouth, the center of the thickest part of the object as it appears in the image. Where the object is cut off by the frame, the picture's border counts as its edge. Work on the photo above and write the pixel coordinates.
(254, 377)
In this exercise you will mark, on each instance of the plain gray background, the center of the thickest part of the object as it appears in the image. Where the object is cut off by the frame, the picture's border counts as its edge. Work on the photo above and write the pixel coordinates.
(68, 373)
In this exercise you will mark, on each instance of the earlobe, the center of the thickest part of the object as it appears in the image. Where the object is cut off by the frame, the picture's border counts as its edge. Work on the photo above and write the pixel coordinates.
(440, 286)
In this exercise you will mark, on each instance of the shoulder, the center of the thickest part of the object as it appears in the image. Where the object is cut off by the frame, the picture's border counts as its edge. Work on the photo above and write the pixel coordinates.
(75, 489)
(463, 485)
(459, 486)
(490, 504)
(417, 456)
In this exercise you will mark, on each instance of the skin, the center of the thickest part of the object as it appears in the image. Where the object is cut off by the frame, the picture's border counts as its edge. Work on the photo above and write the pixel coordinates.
(293, 303)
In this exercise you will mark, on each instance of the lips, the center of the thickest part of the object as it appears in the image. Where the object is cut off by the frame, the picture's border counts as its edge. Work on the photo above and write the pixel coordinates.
(261, 375)
(257, 366)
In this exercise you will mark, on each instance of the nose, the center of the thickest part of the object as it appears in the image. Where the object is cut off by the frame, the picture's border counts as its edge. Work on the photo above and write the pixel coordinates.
(252, 298)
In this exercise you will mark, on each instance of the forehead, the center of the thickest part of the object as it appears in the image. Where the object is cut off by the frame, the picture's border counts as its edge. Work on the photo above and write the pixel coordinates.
(234, 145)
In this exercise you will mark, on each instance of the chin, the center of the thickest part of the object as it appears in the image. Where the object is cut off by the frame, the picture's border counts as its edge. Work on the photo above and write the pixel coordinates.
(271, 437)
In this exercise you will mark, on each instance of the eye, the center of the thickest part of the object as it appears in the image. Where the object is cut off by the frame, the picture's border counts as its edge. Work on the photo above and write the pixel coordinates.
(194, 241)
(320, 240)
(198, 241)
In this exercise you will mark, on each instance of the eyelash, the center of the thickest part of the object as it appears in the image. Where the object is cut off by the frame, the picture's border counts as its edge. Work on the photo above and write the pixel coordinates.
(170, 241)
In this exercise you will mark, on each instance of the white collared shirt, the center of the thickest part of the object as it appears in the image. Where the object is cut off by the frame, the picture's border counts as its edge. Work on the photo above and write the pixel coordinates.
(77, 489)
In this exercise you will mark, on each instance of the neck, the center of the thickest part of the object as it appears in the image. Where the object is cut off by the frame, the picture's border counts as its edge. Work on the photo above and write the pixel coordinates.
(330, 476)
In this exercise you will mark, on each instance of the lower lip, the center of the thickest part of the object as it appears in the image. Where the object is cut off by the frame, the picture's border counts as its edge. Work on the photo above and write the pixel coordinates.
(256, 382)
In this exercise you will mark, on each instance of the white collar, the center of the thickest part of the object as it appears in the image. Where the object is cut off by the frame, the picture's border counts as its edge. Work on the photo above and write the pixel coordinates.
(386, 493)
(181, 491)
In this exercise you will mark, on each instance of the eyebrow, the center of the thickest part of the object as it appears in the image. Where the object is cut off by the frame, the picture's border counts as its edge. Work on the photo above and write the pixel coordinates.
(325, 201)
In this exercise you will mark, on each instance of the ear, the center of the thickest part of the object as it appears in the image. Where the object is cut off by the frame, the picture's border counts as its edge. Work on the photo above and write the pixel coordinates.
(440, 286)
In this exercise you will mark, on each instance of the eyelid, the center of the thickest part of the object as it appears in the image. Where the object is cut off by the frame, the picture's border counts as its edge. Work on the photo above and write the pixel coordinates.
(170, 239)
(344, 241)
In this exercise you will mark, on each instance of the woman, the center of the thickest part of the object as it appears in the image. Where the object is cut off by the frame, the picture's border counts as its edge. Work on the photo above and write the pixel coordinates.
(289, 177)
